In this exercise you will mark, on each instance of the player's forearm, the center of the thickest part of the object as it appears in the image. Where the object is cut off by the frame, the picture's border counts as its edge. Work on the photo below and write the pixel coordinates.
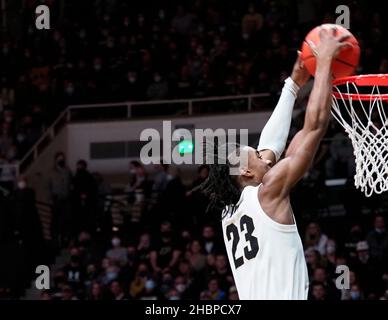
(275, 132)
(318, 108)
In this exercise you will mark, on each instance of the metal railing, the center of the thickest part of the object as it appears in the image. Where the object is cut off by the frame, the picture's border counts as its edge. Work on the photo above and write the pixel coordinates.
(186, 107)
(138, 109)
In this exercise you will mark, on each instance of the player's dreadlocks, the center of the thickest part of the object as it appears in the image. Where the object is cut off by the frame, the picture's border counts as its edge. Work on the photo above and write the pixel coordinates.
(221, 187)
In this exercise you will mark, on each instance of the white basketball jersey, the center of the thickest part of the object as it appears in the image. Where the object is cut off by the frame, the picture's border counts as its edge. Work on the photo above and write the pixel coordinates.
(266, 257)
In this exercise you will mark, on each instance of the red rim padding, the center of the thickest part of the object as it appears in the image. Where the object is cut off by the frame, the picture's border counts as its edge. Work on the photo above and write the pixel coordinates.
(367, 80)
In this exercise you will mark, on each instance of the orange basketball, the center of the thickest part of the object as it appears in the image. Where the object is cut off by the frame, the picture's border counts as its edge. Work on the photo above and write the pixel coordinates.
(347, 60)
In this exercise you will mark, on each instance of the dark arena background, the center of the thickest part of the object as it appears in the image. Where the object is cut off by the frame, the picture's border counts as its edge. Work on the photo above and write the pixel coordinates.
(74, 193)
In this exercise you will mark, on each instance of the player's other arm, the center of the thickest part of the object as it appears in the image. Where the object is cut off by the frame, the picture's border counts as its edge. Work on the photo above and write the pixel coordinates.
(280, 179)
(274, 136)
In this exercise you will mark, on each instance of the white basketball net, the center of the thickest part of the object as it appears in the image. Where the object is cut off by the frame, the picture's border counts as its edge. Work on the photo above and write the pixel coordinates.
(367, 126)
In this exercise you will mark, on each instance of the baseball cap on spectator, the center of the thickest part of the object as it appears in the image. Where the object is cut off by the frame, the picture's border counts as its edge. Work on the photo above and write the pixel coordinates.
(362, 246)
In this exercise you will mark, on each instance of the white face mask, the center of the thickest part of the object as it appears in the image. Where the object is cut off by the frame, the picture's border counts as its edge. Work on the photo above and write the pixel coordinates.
(330, 249)
(180, 287)
(116, 242)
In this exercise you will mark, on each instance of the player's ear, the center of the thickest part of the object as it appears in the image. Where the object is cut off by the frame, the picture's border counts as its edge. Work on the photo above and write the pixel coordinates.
(245, 172)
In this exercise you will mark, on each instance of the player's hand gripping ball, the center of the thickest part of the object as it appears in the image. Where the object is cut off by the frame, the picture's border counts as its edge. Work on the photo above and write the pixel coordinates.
(344, 64)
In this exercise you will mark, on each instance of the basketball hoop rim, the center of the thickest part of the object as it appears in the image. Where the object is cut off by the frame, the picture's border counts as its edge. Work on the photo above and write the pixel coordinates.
(366, 80)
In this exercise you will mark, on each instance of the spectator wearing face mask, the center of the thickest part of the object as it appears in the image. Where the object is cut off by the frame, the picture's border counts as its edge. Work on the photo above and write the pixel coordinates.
(74, 272)
(133, 88)
(110, 273)
(137, 285)
(70, 94)
(368, 271)
(158, 89)
(59, 189)
(378, 240)
(345, 292)
(356, 293)
(173, 295)
(84, 199)
(315, 239)
(165, 251)
(181, 285)
(117, 253)
(127, 270)
(150, 291)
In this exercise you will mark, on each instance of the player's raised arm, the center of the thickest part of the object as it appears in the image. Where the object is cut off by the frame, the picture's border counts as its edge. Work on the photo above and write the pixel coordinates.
(303, 147)
(274, 136)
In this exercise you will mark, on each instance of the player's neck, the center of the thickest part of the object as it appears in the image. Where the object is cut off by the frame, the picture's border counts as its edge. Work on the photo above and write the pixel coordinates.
(248, 183)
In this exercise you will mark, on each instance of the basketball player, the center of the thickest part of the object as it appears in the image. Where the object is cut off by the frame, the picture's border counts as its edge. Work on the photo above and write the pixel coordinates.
(261, 237)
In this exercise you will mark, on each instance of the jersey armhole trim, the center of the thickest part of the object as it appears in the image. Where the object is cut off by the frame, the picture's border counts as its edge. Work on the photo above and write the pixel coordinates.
(276, 225)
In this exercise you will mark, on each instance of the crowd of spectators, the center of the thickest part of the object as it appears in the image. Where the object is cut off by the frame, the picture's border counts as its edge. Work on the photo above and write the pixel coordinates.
(172, 253)
(116, 50)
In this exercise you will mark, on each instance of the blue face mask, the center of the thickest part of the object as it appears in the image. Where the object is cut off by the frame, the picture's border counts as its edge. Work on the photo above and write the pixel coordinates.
(355, 295)
(149, 285)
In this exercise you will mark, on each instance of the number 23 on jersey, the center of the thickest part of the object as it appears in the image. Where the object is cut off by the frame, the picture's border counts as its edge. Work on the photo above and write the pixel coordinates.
(252, 245)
